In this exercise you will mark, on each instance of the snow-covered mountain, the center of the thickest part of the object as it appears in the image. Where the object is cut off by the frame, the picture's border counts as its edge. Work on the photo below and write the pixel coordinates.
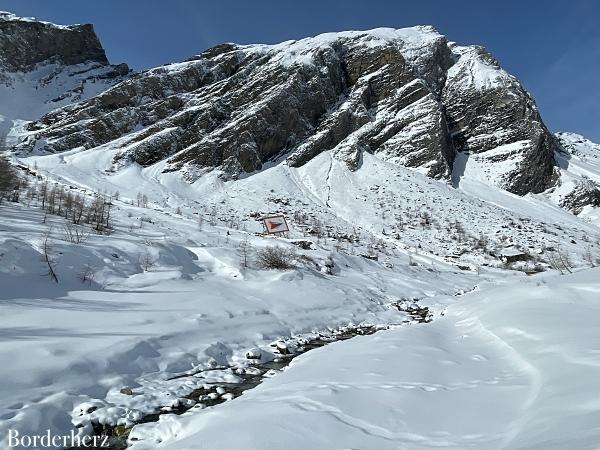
(413, 172)
(408, 96)
(44, 66)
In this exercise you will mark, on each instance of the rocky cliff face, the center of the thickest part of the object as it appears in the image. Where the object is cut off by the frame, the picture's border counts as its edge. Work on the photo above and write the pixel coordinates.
(45, 66)
(579, 162)
(26, 42)
(405, 95)
(491, 115)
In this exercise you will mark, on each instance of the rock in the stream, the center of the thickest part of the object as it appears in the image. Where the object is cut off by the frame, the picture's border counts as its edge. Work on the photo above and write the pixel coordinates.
(126, 391)
(253, 353)
(282, 347)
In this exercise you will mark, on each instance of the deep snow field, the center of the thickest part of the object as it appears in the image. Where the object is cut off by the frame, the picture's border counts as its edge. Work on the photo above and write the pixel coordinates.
(515, 367)
(510, 360)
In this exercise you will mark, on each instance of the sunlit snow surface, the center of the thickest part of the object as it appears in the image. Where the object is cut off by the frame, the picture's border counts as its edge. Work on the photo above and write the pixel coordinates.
(514, 367)
(513, 364)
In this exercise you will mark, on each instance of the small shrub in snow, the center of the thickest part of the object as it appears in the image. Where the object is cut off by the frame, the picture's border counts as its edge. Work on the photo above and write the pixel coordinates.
(560, 260)
(329, 265)
(411, 261)
(86, 274)
(74, 234)
(275, 258)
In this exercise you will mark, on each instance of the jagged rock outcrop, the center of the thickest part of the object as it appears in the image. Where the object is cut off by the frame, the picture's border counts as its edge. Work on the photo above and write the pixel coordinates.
(44, 66)
(585, 193)
(406, 95)
(491, 115)
(26, 42)
(576, 146)
(579, 184)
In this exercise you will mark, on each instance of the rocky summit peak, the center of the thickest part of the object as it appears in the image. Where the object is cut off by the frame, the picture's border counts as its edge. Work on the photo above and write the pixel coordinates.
(44, 66)
(25, 42)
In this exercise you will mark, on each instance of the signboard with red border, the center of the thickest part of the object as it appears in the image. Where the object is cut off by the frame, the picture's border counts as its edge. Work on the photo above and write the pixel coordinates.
(275, 224)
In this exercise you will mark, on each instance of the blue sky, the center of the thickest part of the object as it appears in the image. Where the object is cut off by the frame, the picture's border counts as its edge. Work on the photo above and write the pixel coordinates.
(553, 47)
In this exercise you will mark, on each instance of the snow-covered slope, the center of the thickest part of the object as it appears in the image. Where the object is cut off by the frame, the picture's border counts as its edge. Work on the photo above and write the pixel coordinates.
(391, 233)
(504, 368)
(47, 86)
(196, 306)
(387, 204)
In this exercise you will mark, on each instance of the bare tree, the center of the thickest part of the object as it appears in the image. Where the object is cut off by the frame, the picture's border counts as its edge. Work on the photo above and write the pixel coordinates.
(425, 220)
(589, 257)
(147, 261)
(44, 193)
(400, 224)
(212, 217)
(78, 209)
(68, 204)
(565, 260)
(245, 250)
(32, 192)
(316, 228)
(52, 199)
(98, 214)
(559, 260)
(107, 220)
(60, 193)
(49, 259)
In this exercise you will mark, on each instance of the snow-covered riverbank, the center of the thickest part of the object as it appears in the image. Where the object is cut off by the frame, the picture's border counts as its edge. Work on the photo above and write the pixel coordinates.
(512, 367)
(73, 342)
